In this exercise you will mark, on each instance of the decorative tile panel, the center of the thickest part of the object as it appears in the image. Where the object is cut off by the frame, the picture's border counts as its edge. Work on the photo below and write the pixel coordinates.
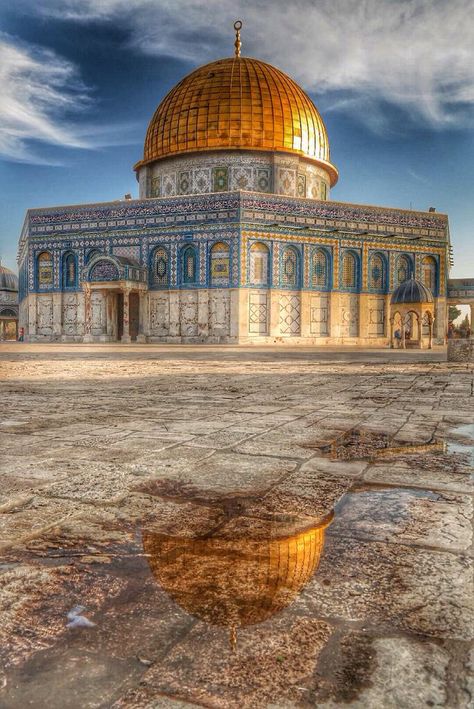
(258, 312)
(290, 315)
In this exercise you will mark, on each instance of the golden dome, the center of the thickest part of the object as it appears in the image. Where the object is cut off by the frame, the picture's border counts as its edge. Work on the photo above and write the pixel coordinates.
(235, 581)
(238, 103)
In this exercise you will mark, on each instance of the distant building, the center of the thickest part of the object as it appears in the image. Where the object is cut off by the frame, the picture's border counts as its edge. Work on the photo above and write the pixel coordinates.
(8, 304)
(233, 238)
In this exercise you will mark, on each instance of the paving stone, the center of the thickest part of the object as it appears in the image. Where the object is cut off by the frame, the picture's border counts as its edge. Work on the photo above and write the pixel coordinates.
(105, 446)
(421, 517)
(392, 585)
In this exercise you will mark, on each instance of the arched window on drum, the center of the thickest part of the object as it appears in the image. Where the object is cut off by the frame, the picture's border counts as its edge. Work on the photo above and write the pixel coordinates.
(160, 267)
(220, 264)
(320, 269)
(69, 270)
(349, 270)
(402, 270)
(259, 264)
(290, 268)
(377, 273)
(189, 266)
(44, 270)
(428, 273)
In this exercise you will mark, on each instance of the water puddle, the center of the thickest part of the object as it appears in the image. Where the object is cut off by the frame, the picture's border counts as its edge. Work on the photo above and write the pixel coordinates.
(462, 442)
(366, 445)
(236, 581)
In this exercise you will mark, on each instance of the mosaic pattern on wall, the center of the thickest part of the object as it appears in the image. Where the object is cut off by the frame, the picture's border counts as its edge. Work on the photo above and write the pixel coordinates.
(104, 271)
(220, 264)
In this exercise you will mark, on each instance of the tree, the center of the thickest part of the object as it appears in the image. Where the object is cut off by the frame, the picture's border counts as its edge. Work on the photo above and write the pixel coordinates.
(463, 328)
(454, 313)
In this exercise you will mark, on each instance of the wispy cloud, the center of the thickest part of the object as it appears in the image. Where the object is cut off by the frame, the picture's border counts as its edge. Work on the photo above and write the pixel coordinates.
(41, 98)
(39, 90)
(414, 54)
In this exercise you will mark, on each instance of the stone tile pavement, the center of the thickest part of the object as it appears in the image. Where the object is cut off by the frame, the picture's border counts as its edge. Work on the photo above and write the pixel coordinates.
(104, 445)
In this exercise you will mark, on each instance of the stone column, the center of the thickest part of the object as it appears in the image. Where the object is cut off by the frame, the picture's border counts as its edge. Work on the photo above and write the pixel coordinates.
(32, 315)
(203, 313)
(234, 314)
(126, 315)
(273, 300)
(430, 326)
(142, 316)
(2, 330)
(175, 315)
(57, 315)
(110, 312)
(87, 313)
(471, 324)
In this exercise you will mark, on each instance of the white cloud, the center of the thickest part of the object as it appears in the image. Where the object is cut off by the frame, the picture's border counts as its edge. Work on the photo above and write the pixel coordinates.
(38, 90)
(414, 54)
(40, 100)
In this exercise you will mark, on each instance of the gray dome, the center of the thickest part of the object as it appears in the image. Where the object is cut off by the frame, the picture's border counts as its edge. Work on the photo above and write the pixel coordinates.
(411, 291)
(8, 280)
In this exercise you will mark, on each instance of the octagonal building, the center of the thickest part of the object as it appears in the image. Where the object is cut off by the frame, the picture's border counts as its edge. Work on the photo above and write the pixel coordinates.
(234, 238)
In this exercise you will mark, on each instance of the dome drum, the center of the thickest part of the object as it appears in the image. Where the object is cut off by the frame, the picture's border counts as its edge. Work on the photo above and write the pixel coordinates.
(223, 171)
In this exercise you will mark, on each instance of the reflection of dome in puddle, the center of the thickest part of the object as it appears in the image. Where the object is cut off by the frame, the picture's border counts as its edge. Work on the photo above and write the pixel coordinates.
(239, 581)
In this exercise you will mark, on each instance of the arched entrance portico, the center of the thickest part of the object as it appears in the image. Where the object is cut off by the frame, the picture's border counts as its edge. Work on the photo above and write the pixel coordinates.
(114, 302)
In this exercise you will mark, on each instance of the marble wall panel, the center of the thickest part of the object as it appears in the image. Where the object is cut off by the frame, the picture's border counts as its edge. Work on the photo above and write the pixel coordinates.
(44, 315)
(219, 313)
(258, 312)
(376, 319)
(188, 313)
(319, 315)
(349, 315)
(290, 314)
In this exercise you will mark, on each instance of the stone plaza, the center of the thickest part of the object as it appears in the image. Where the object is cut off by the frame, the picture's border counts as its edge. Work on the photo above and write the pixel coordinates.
(321, 498)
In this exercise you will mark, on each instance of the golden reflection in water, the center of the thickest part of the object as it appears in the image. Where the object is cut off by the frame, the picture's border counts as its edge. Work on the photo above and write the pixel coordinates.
(235, 582)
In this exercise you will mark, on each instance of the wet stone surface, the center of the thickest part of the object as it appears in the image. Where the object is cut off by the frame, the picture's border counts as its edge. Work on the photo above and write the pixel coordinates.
(240, 528)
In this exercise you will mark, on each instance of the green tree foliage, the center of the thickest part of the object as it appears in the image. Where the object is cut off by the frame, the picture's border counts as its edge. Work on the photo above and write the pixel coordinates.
(454, 313)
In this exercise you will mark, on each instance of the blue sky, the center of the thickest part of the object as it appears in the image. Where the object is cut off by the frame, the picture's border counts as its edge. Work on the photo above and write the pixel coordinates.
(393, 80)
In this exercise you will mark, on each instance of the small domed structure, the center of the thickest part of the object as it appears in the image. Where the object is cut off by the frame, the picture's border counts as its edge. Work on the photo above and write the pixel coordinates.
(8, 280)
(412, 315)
(412, 291)
(8, 304)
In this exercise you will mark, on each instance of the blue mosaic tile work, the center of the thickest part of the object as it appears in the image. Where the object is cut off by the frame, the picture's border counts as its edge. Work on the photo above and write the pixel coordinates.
(137, 228)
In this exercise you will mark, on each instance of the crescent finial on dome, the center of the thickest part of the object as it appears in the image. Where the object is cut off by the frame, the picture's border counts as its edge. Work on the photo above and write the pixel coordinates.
(237, 43)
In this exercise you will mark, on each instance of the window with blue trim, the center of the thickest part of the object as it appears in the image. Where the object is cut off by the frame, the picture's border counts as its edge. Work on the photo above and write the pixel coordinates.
(402, 270)
(189, 265)
(44, 270)
(160, 267)
(259, 263)
(428, 273)
(377, 273)
(319, 269)
(69, 271)
(289, 268)
(349, 270)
